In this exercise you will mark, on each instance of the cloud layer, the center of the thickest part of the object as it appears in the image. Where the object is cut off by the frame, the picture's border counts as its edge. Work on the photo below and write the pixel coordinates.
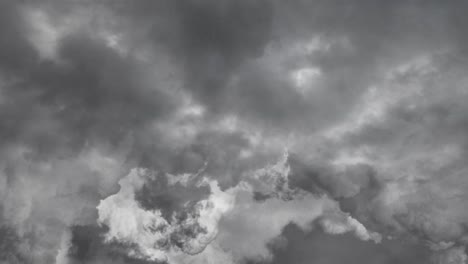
(203, 131)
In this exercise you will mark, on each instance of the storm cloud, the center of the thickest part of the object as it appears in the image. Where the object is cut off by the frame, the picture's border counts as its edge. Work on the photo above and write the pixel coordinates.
(249, 131)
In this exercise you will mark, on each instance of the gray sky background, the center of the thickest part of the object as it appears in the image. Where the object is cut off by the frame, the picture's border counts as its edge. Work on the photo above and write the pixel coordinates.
(222, 131)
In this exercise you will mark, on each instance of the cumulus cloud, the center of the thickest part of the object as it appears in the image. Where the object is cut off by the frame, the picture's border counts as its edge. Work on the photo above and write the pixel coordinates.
(189, 230)
(229, 226)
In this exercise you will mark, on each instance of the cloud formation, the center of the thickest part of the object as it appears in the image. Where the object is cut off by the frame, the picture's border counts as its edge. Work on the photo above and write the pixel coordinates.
(189, 230)
(231, 224)
(203, 131)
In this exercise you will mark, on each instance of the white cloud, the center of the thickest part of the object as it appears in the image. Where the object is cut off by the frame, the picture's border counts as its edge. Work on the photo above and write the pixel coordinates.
(129, 223)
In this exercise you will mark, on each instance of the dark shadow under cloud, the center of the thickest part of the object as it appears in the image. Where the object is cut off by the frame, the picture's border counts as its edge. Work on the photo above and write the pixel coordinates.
(317, 247)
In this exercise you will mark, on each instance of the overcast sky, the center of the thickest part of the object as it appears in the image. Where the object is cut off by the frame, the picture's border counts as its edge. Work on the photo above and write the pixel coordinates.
(233, 131)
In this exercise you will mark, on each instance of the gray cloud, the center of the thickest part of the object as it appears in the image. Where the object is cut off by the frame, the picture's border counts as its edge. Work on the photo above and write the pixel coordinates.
(368, 97)
(302, 247)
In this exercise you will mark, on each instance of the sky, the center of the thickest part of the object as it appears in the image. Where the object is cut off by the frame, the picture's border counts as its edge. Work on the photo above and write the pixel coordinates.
(233, 132)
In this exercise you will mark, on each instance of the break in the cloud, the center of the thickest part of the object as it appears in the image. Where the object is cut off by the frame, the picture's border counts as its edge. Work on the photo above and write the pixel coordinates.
(138, 131)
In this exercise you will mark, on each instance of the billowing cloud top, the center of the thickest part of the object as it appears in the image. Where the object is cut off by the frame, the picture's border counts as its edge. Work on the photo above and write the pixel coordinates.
(233, 131)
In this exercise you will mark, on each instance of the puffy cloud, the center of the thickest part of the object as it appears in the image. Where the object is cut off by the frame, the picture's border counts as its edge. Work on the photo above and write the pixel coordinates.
(189, 230)
(339, 224)
(229, 225)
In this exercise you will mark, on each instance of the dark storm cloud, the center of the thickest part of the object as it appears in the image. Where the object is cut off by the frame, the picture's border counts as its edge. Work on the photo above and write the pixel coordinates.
(316, 246)
(222, 151)
(422, 137)
(10, 252)
(216, 44)
(323, 178)
(90, 95)
(73, 123)
(224, 61)
(211, 38)
(86, 246)
(94, 94)
(157, 193)
(16, 52)
(362, 39)
(381, 33)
